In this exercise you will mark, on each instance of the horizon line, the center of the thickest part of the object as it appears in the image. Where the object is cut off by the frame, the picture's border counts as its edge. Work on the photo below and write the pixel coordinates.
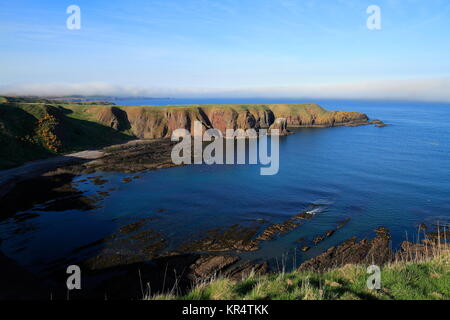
(418, 89)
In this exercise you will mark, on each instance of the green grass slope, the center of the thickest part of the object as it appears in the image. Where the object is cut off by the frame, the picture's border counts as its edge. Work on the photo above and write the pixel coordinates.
(417, 280)
(30, 131)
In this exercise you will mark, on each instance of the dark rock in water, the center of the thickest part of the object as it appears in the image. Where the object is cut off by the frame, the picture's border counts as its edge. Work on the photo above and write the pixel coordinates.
(285, 227)
(376, 251)
(98, 181)
(318, 239)
(132, 227)
(302, 239)
(330, 233)
(279, 228)
(305, 216)
(219, 240)
(103, 193)
(378, 123)
(55, 191)
(342, 223)
(77, 202)
(381, 231)
(129, 245)
(210, 266)
(245, 269)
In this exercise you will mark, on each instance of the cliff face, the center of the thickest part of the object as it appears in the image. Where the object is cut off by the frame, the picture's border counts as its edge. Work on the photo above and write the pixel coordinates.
(160, 122)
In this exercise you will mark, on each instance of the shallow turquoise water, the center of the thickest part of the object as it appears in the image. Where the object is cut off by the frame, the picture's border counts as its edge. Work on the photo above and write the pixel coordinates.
(397, 176)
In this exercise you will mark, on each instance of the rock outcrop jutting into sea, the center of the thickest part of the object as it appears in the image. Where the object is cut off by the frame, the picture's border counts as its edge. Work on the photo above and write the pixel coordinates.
(160, 122)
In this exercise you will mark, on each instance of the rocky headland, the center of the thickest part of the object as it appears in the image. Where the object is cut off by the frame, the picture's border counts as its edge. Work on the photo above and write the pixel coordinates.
(135, 138)
(127, 138)
(160, 122)
(35, 130)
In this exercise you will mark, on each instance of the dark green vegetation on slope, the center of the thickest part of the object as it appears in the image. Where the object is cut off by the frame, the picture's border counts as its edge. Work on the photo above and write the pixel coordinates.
(35, 128)
(30, 131)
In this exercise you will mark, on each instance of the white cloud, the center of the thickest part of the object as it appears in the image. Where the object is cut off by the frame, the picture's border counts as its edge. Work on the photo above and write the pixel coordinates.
(425, 89)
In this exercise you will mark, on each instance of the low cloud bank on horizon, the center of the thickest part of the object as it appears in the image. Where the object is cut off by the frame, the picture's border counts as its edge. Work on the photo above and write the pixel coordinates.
(431, 89)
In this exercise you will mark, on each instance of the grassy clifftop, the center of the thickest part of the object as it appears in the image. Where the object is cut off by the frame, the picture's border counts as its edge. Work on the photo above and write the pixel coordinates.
(401, 280)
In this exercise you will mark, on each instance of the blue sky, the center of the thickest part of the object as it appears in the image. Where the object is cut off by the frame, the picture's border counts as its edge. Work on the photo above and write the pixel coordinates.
(229, 47)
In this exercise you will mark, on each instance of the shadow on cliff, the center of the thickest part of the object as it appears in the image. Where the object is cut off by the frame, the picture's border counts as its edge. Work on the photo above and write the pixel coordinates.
(16, 126)
(21, 142)
(122, 119)
(78, 135)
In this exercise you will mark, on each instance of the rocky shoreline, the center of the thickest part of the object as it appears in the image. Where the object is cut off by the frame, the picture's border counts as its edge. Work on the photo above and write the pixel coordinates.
(124, 276)
(138, 246)
(51, 178)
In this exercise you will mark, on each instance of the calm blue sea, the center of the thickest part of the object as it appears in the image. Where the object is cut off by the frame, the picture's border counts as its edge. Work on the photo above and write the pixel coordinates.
(397, 176)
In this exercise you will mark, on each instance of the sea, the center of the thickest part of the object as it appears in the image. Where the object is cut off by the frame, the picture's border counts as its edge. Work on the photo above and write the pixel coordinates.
(396, 176)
